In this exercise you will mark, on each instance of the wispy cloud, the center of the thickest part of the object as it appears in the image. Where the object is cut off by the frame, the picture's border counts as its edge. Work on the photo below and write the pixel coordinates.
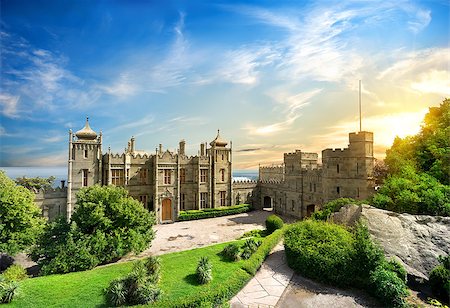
(9, 104)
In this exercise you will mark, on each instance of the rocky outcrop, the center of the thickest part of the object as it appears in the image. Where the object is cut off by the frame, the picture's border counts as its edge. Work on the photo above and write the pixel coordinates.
(415, 240)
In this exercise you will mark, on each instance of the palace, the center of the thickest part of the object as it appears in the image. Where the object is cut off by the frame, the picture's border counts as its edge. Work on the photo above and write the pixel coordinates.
(167, 182)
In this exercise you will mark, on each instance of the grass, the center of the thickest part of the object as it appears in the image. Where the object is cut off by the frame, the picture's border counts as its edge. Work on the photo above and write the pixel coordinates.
(85, 289)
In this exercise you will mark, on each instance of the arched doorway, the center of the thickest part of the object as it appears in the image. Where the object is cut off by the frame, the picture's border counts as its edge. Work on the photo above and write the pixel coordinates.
(309, 210)
(267, 202)
(166, 210)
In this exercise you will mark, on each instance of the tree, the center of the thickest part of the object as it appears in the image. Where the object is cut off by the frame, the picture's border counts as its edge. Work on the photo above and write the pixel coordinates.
(20, 218)
(106, 225)
(36, 183)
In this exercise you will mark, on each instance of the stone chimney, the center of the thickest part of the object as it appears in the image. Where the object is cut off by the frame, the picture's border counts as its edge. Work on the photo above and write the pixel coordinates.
(160, 148)
(132, 141)
(182, 147)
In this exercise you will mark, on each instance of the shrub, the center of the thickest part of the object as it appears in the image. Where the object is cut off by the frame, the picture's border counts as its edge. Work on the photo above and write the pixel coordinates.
(388, 287)
(249, 247)
(320, 250)
(232, 252)
(440, 279)
(153, 265)
(106, 225)
(204, 270)
(255, 233)
(7, 290)
(273, 222)
(137, 287)
(15, 272)
(396, 267)
(214, 212)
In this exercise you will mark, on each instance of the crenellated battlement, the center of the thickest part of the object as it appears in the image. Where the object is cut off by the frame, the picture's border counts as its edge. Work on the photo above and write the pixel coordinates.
(244, 182)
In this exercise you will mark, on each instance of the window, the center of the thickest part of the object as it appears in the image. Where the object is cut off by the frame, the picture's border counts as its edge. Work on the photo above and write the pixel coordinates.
(85, 153)
(143, 200)
(292, 205)
(143, 172)
(357, 168)
(117, 177)
(73, 152)
(128, 176)
(338, 190)
(223, 158)
(310, 186)
(222, 198)
(85, 178)
(222, 174)
(357, 192)
(314, 187)
(337, 168)
(167, 176)
(183, 201)
(182, 175)
(203, 175)
(203, 200)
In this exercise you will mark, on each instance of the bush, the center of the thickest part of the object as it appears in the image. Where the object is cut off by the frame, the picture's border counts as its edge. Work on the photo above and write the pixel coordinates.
(214, 212)
(7, 290)
(440, 279)
(320, 250)
(273, 222)
(255, 233)
(106, 225)
(331, 207)
(388, 287)
(232, 252)
(204, 270)
(15, 272)
(396, 267)
(136, 288)
(249, 247)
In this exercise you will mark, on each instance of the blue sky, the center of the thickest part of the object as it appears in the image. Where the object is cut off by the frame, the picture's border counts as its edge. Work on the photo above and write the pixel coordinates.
(274, 76)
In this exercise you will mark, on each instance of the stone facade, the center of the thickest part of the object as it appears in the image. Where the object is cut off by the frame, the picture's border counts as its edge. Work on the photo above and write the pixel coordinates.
(167, 182)
(301, 185)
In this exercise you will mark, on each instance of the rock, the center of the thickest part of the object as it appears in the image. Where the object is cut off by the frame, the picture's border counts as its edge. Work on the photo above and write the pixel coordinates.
(415, 240)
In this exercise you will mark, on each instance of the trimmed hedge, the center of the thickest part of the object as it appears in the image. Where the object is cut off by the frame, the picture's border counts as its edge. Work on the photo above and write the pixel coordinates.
(273, 222)
(211, 297)
(214, 212)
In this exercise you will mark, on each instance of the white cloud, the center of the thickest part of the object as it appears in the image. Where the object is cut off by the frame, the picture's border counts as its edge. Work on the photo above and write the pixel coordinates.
(9, 104)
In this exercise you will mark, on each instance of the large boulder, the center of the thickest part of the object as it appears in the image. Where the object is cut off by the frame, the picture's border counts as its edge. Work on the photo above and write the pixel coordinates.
(415, 240)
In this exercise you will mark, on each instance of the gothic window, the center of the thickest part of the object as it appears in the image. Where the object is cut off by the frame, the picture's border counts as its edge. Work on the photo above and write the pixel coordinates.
(338, 190)
(143, 175)
(167, 176)
(222, 174)
(223, 198)
(203, 175)
(314, 187)
(182, 175)
(310, 186)
(85, 153)
(203, 200)
(183, 201)
(85, 178)
(117, 177)
(143, 200)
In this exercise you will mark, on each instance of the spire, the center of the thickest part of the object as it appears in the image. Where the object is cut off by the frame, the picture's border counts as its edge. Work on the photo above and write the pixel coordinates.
(86, 133)
(218, 141)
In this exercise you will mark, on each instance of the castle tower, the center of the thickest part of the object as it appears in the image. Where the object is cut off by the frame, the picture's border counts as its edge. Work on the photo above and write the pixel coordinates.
(85, 162)
(221, 176)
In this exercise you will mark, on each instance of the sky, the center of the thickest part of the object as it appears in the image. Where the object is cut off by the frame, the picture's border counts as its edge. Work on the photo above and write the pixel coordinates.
(273, 76)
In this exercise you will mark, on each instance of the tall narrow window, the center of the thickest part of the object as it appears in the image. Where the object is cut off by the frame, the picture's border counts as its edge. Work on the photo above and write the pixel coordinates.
(222, 174)
(182, 175)
(167, 176)
(203, 200)
(337, 168)
(143, 173)
(223, 198)
(85, 177)
(143, 199)
(117, 177)
(358, 192)
(292, 205)
(357, 168)
(183, 201)
(203, 175)
(73, 152)
(338, 190)
(85, 155)
(310, 186)
(314, 187)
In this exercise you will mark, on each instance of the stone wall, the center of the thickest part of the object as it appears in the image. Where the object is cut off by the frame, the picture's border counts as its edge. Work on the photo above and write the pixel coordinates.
(52, 202)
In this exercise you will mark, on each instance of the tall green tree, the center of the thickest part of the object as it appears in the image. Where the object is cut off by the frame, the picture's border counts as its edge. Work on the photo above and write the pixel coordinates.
(35, 183)
(20, 218)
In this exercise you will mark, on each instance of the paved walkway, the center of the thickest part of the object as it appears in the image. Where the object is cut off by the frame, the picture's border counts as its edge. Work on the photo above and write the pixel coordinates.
(267, 286)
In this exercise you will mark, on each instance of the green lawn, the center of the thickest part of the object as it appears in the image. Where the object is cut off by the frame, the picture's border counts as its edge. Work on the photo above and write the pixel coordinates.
(84, 289)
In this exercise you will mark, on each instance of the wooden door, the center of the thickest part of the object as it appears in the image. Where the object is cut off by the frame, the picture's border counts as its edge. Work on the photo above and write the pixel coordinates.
(166, 210)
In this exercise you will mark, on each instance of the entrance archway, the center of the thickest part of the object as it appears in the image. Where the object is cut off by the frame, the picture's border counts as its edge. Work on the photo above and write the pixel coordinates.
(309, 210)
(267, 202)
(166, 210)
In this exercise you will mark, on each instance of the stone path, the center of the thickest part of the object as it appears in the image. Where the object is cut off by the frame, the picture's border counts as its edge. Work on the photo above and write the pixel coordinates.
(269, 283)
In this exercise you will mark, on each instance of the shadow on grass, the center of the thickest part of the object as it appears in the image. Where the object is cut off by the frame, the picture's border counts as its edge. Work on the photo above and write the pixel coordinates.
(191, 279)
